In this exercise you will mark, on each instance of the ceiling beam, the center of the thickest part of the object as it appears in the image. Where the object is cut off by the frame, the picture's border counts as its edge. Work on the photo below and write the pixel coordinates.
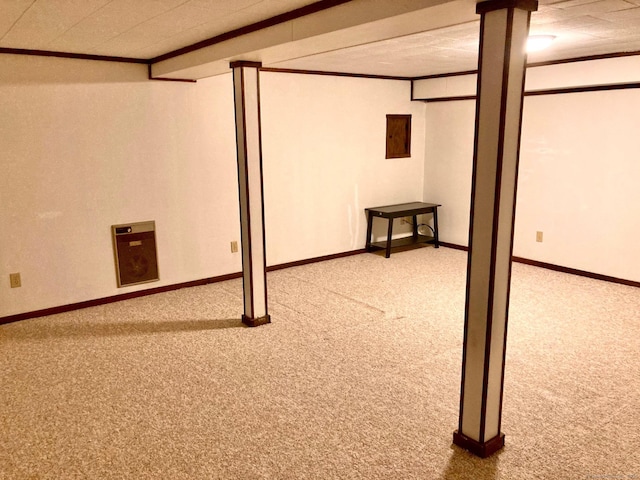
(345, 25)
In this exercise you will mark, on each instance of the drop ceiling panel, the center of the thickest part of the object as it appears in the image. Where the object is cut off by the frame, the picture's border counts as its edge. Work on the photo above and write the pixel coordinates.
(149, 28)
(200, 20)
(115, 18)
(10, 13)
(551, 14)
(622, 16)
(42, 22)
(602, 6)
(166, 26)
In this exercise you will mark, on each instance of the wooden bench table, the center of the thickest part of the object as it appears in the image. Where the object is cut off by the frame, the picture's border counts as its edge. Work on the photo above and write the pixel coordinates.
(390, 212)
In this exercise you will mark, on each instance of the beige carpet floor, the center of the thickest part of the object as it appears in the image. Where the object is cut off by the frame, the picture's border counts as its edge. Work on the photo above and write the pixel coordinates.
(358, 377)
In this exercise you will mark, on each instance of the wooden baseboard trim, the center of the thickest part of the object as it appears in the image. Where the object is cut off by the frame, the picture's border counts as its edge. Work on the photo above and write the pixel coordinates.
(454, 246)
(205, 281)
(115, 298)
(573, 271)
(558, 268)
(166, 288)
(315, 260)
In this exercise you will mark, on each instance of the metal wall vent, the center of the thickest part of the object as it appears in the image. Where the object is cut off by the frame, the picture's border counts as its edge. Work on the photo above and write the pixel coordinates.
(134, 246)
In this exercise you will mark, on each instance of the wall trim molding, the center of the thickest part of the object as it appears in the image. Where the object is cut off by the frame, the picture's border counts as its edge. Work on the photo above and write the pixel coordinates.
(586, 88)
(166, 288)
(115, 298)
(323, 258)
(151, 61)
(446, 75)
(334, 74)
(574, 271)
(221, 278)
(77, 56)
(586, 58)
(557, 268)
(445, 99)
(548, 91)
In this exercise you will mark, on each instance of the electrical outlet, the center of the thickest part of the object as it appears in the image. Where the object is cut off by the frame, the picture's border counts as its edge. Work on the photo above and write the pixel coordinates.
(234, 246)
(14, 279)
(539, 237)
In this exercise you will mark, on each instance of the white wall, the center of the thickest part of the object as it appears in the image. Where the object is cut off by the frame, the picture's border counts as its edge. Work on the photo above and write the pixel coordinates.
(324, 160)
(578, 183)
(88, 144)
(578, 179)
(448, 166)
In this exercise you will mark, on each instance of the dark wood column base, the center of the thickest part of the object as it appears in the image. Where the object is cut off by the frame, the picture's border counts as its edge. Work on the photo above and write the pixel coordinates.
(256, 322)
(482, 450)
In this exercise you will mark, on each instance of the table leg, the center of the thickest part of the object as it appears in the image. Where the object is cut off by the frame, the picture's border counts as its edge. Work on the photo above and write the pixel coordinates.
(388, 254)
(367, 244)
(415, 227)
(435, 227)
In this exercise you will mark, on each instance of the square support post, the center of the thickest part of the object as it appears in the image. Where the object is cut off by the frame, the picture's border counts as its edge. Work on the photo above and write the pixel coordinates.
(504, 27)
(246, 89)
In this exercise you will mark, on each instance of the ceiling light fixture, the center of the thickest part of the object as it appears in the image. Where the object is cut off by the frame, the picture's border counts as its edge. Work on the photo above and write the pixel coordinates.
(539, 42)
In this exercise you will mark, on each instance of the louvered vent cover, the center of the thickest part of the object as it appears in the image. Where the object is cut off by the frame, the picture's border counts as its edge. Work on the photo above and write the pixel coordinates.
(134, 246)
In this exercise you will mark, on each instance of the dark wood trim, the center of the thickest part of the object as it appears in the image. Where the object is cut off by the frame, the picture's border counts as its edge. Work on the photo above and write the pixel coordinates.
(480, 449)
(254, 27)
(247, 269)
(446, 75)
(168, 79)
(77, 56)
(183, 80)
(166, 288)
(298, 263)
(495, 228)
(262, 221)
(239, 96)
(116, 298)
(323, 258)
(550, 91)
(586, 58)
(586, 88)
(465, 339)
(492, 5)
(256, 322)
(557, 268)
(334, 74)
(574, 271)
(245, 63)
(513, 226)
(454, 246)
(448, 99)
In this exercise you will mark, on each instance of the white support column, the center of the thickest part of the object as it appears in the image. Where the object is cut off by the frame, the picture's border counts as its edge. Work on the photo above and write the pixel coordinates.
(504, 27)
(246, 88)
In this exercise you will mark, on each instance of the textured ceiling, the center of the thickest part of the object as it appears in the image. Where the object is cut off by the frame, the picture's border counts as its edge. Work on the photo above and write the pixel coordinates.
(149, 28)
(582, 28)
(127, 28)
